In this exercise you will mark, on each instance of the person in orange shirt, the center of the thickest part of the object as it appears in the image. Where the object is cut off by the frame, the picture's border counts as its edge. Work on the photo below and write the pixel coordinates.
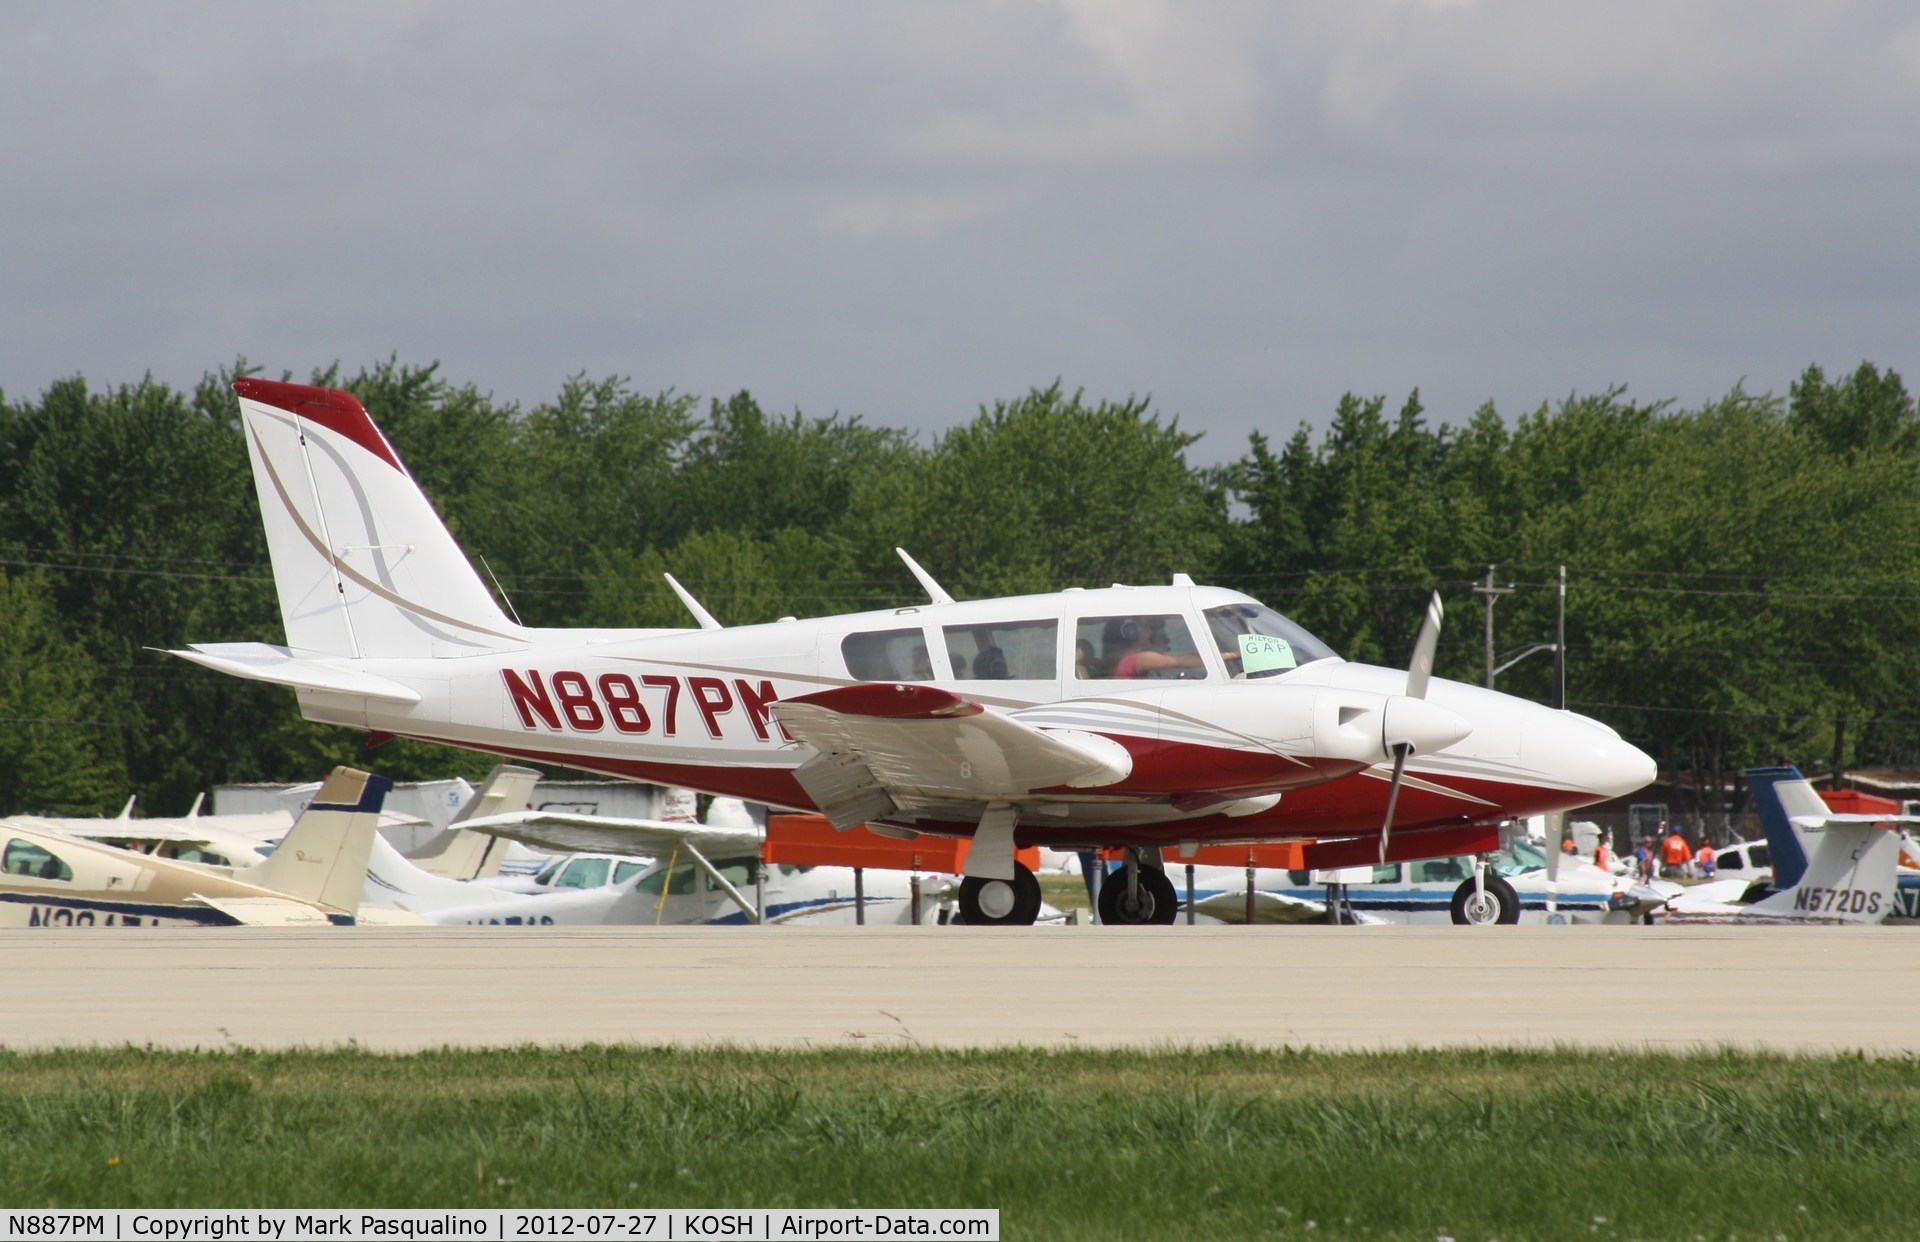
(1675, 854)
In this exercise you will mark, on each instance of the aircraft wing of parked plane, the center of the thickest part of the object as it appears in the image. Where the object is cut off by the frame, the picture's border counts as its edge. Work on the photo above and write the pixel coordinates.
(699, 843)
(52, 879)
(1141, 718)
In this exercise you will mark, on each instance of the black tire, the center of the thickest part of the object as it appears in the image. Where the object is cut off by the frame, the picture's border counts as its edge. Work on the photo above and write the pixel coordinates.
(1501, 905)
(996, 903)
(1157, 902)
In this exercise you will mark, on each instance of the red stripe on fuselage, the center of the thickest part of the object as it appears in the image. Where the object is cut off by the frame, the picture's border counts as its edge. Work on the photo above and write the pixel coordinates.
(339, 412)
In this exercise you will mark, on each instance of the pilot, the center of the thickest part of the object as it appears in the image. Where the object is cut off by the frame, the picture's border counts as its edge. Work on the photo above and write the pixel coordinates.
(1148, 649)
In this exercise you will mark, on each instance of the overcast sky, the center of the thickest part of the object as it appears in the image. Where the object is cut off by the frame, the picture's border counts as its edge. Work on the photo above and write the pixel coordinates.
(904, 210)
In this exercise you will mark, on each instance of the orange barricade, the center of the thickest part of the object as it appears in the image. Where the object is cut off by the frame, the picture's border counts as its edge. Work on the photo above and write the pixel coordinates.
(810, 841)
(1285, 855)
(1853, 802)
(1328, 855)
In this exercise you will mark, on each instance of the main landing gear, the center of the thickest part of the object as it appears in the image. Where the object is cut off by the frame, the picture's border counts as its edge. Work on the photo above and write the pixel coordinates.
(987, 902)
(1136, 895)
(1485, 899)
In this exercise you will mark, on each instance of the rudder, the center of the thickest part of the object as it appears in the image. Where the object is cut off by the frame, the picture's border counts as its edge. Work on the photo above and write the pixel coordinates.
(363, 564)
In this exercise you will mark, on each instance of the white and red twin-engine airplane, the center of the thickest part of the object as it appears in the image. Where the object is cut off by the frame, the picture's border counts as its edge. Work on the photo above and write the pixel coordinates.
(1145, 718)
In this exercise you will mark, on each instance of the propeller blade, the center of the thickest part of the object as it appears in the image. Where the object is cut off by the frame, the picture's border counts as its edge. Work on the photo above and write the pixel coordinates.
(1400, 754)
(1422, 667)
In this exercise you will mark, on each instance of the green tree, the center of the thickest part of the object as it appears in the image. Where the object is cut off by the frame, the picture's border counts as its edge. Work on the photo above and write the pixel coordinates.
(1049, 491)
(60, 744)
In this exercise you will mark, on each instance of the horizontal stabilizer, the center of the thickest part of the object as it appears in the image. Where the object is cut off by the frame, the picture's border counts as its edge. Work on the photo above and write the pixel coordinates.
(279, 665)
(265, 911)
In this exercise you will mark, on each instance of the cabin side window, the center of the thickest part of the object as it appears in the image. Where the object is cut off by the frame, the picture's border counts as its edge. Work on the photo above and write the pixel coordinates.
(678, 881)
(26, 858)
(1004, 651)
(887, 655)
(584, 873)
(1158, 645)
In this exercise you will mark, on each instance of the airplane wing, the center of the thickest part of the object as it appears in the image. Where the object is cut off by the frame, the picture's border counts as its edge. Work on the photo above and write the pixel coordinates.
(886, 747)
(605, 834)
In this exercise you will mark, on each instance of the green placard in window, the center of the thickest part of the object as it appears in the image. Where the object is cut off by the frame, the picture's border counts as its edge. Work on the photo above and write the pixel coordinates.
(1262, 653)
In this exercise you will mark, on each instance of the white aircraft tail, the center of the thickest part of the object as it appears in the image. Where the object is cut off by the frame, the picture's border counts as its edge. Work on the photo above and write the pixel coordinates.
(364, 566)
(323, 857)
(1849, 860)
(461, 854)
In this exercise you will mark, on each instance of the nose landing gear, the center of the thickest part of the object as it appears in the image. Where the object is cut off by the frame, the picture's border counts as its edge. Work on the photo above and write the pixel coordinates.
(1136, 895)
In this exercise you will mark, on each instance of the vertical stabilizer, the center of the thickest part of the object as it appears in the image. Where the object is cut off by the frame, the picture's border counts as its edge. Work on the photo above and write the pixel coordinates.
(1844, 863)
(363, 564)
(1779, 794)
(323, 857)
(460, 854)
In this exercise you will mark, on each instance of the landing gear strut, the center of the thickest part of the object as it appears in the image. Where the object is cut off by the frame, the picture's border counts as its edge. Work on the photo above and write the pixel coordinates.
(1136, 895)
(1005, 903)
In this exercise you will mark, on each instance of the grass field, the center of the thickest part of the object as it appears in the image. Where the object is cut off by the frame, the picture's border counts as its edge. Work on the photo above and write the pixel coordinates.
(1228, 1143)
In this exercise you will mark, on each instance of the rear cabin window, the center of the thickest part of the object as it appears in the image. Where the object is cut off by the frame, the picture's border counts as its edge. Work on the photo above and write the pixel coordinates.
(1004, 651)
(1441, 870)
(1123, 648)
(888, 655)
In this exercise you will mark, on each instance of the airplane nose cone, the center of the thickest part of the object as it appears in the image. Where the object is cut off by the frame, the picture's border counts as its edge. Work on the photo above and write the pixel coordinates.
(1590, 754)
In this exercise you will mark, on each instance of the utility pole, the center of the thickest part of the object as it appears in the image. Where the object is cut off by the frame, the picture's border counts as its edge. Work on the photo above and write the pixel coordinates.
(1492, 593)
(1560, 648)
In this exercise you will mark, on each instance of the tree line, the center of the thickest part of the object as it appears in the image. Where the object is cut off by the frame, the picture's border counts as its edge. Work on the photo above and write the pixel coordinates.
(1742, 576)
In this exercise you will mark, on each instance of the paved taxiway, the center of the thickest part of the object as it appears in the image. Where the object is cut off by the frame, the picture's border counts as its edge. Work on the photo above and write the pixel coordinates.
(1819, 989)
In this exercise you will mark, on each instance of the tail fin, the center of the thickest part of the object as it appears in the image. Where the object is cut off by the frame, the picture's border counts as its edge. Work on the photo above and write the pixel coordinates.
(462, 854)
(1779, 794)
(364, 566)
(323, 857)
(1842, 866)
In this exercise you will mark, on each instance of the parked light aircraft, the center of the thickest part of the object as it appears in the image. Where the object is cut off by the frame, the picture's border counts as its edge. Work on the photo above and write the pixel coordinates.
(703, 873)
(243, 839)
(1138, 717)
(315, 877)
(1427, 890)
(1828, 868)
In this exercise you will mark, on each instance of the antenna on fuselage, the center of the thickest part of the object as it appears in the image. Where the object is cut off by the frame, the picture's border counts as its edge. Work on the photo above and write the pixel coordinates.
(700, 614)
(932, 588)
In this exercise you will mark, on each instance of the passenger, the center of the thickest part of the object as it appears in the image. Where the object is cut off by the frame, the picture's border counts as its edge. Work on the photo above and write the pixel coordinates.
(922, 664)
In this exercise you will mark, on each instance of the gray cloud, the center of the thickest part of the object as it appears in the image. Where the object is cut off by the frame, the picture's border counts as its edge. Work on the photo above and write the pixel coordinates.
(901, 211)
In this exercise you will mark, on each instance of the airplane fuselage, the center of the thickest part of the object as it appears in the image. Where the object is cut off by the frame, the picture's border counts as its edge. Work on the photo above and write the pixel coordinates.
(1208, 749)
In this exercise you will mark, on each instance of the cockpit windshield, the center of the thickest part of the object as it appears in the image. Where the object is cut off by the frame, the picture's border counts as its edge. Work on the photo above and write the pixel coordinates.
(1266, 643)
